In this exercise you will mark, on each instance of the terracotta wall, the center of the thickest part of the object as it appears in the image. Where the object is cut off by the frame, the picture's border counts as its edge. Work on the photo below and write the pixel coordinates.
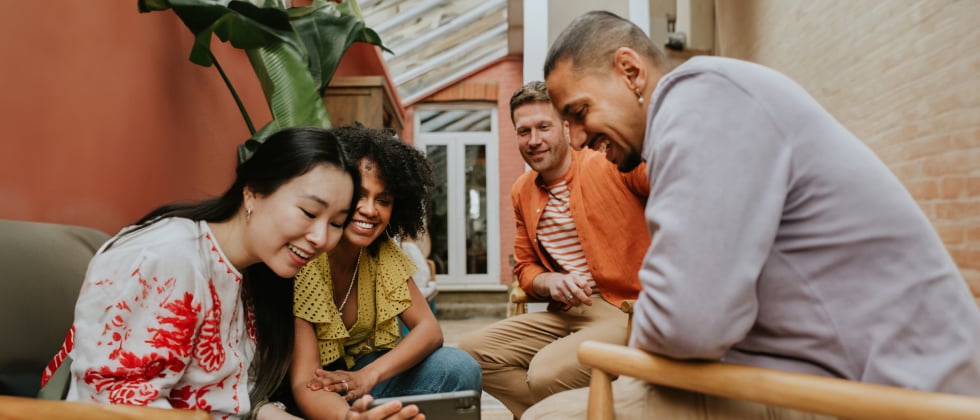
(903, 75)
(104, 117)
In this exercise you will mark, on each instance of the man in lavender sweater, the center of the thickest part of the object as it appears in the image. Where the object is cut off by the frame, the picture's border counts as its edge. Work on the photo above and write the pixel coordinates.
(778, 238)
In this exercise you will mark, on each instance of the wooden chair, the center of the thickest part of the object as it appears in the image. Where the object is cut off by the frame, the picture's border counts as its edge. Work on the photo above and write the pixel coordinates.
(22, 408)
(518, 297)
(810, 393)
(518, 300)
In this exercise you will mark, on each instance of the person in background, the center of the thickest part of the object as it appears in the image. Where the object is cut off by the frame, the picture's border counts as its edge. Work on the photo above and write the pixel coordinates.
(190, 307)
(348, 301)
(576, 245)
(779, 239)
(424, 277)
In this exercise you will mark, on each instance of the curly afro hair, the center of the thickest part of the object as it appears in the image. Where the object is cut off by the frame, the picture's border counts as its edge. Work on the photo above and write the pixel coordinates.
(405, 172)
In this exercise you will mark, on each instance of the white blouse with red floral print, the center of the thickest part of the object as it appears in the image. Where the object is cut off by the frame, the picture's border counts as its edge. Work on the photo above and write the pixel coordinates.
(160, 322)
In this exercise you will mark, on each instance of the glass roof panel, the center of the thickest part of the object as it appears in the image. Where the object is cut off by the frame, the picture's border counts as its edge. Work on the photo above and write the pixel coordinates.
(435, 42)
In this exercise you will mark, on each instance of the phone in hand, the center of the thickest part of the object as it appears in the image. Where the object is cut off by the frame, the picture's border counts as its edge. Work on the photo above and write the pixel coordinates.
(459, 405)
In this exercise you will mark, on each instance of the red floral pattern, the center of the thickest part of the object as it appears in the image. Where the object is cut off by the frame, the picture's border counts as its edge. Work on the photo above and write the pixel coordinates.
(209, 353)
(59, 358)
(151, 334)
(129, 383)
(188, 398)
(182, 319)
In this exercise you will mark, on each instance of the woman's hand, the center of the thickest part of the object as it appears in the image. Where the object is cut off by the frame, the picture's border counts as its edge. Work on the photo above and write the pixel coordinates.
(389, 411)
(350, 385)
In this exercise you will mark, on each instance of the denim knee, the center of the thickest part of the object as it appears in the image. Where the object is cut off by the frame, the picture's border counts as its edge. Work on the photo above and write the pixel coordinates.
(447, 369)
(456, 368)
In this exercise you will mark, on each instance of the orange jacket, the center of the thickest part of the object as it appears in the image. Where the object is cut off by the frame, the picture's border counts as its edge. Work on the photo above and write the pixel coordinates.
(607, 207)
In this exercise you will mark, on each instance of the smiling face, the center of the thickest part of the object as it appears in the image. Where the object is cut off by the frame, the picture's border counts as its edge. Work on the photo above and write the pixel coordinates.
(602, 111)
(541, 139)
(302, 219)
(373, 209)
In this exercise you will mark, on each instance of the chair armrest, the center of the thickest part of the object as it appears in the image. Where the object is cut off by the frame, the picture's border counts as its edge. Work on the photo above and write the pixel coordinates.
(627, 306)
(516, 294)
(816, 394)
(16, 408)
(519, 299)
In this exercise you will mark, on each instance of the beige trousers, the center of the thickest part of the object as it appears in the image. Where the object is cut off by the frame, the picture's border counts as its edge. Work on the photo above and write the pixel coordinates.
(528, 357)
(636, 399)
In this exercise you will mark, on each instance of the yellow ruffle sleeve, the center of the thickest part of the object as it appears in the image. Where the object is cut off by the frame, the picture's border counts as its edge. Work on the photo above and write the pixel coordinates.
(387, 274)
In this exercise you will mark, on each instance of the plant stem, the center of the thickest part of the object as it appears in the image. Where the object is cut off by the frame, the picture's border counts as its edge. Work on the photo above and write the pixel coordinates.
(234, 94)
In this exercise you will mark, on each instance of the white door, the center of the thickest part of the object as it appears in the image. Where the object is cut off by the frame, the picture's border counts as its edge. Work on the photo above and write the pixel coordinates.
(461, 142)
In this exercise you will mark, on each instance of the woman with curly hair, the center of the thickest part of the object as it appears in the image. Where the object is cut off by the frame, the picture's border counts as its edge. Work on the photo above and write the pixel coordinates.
(347, 302)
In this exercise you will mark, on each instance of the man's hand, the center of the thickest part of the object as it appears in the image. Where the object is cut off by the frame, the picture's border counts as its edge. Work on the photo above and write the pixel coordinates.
(568, 288)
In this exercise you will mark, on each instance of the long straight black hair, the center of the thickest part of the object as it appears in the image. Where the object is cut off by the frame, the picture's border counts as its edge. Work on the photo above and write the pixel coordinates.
(287, 154)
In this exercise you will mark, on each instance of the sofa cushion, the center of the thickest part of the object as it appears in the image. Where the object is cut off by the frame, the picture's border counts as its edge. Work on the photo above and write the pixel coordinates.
(42, 266)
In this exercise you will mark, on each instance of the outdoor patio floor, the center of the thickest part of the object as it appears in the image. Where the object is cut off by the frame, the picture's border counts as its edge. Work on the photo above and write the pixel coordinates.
(453, 330)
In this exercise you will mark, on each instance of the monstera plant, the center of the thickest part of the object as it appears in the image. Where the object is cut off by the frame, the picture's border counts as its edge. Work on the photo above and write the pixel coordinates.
(294, 51)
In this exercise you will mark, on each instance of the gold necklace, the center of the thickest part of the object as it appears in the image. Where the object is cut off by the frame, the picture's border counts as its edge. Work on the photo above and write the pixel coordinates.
(351, 285)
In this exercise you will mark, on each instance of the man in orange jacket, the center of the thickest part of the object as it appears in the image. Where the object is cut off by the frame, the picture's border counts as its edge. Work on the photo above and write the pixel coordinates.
(581, 238)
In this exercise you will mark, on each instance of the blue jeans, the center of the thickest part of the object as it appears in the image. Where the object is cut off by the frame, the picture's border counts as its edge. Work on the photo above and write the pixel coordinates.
(447, 369)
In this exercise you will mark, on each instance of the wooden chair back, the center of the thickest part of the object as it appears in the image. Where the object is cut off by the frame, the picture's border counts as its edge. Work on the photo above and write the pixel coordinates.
(810, 393)
(22, 408)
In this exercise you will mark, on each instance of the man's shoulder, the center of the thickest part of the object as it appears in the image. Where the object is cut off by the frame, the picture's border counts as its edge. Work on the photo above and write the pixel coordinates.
(593, 159)
(525, 182)
(595, 162)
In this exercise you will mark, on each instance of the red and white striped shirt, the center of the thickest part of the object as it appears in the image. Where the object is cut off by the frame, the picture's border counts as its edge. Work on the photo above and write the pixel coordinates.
(556, 232)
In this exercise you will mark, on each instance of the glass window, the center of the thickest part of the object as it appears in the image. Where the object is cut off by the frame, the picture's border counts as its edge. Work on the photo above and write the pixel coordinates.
(455, 120)
(438, 221)
(476, 209)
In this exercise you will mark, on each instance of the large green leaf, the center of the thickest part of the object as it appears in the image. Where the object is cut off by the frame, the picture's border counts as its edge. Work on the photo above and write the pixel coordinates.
(328, 29)
(368, 35)
(294, 52)
(246, 149)
(290, 91)
(288, 86)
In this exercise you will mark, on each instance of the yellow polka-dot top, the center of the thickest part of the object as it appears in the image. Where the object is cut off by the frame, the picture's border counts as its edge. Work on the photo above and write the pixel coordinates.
(382, 294)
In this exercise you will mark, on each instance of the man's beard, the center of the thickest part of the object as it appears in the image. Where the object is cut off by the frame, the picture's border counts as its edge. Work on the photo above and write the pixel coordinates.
(630, 161)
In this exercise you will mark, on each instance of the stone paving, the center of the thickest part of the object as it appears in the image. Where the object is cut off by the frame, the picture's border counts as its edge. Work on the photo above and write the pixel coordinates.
(453, 330)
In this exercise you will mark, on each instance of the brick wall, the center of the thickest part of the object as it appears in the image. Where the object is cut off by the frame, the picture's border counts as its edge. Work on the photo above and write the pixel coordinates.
(903, 75)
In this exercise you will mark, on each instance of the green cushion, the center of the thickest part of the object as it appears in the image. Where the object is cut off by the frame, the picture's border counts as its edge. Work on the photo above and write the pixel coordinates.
(42, 266)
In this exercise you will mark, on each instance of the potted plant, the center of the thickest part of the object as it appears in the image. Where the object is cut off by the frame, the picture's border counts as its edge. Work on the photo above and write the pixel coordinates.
(293, 50)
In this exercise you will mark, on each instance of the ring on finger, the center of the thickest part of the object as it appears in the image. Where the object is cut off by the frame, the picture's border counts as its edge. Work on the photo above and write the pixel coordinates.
(346, 387)
(569, 296)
